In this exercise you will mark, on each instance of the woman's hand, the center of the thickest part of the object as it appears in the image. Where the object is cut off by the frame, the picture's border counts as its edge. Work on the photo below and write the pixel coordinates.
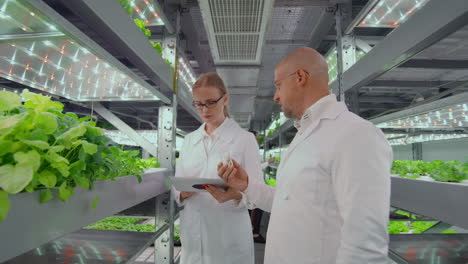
(224, 196)
(185, 195)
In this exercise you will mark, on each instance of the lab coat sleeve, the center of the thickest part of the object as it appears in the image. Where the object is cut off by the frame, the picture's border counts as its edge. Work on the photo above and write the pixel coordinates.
(361, 184)
(257, 194)
(180, 171)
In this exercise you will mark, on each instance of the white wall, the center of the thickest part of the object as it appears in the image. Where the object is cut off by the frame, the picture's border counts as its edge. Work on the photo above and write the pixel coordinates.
(402, 152)
(446, 150)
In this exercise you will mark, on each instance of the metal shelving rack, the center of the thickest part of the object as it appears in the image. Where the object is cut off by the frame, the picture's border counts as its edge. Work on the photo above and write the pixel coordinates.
(422, 30)
(31, 224)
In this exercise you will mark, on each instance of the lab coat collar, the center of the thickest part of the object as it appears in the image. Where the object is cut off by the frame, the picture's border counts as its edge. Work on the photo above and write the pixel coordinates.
(226, 131)
(325, 108)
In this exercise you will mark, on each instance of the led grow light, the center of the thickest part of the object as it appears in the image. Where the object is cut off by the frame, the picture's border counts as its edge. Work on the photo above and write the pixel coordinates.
(424, 138)
(61, 65)
(186, 73)
(447, 117)
(332, 61)
(147, 11)
(391, 13)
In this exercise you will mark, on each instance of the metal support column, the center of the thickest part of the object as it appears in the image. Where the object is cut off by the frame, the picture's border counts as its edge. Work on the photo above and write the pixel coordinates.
(417, 151)
(165, 204)
(345, 45)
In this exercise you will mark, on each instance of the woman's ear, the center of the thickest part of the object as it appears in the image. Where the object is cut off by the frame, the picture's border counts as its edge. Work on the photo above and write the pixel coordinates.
(226, 99)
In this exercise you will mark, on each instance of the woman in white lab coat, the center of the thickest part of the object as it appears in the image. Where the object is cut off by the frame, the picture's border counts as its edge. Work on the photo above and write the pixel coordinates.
(213, 232)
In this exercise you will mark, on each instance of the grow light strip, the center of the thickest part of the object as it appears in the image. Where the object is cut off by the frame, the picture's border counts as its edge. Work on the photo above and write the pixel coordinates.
(146, 10)
(61, 66)
(424, 138)
(391, 13)
(448, 117)
(186, 73)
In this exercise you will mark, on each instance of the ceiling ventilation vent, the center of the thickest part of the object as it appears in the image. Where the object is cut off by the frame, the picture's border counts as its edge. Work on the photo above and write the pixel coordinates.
(236, 29)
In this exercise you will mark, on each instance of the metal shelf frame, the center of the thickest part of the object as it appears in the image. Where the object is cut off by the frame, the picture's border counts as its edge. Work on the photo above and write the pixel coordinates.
(445, 102)
(116, 26)
(96, 48)
(283, 128)
(30, 223)
(425, 27)
(442, 201)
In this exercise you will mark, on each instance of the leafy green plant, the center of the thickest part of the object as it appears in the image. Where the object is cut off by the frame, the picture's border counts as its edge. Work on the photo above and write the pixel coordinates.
(278, 159)
(421, 226)
(397, 227)
(451, 171)
(149, 163)
(260, 140)
(121, 224)
(142, 26)
(271, 181)
(43, 148)
(157, 46)
(127, 6)
(176, 233)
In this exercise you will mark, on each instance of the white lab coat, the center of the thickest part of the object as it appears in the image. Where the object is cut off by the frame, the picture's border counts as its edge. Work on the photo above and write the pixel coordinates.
(214, 233)
(333, 192)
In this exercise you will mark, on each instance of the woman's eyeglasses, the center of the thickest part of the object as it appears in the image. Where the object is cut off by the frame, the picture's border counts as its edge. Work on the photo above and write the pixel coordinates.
(209, 104)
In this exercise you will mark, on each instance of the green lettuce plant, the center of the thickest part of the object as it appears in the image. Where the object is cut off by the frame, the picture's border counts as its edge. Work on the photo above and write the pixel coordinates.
(42, 148)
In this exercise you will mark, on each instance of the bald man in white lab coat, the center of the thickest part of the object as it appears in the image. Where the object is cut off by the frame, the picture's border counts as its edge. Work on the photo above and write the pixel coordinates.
(332, 200)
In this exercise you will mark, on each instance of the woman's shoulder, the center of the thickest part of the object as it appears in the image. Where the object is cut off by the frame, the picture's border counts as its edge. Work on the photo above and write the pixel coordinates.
(241, 133)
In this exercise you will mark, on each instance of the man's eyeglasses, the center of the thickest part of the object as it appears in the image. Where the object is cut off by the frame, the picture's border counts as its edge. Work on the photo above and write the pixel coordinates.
(209, 104)
(278, 83)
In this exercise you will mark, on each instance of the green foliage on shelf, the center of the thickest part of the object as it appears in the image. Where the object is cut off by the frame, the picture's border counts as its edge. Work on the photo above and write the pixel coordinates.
(277, 159)
(142, 26)
(415, 227)
(128, 224)
(42, 148)
(149, 163)
(271, 181)
(271, 131)
(449, 231)
(397, 227)
(421, 226)
(121, 224)
(126, 4)
(157, 46)
(451, 171)
(176, 233)
(260, 140)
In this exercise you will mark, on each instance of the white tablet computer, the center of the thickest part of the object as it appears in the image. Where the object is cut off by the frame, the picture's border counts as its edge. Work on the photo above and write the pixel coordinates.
(195, 184)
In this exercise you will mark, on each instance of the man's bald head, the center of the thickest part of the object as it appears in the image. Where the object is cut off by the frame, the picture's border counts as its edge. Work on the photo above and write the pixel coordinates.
(309, 60)
(301, 79)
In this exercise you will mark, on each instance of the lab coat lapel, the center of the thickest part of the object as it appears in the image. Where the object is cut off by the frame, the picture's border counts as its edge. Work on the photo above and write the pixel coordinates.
(227, 134)
(197, 139)
(331, 111)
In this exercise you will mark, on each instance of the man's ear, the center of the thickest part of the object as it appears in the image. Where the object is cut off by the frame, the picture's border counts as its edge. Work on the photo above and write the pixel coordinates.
(302, 77)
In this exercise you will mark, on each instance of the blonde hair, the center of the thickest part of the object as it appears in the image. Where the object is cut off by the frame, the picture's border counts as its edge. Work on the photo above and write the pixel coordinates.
(214, 80)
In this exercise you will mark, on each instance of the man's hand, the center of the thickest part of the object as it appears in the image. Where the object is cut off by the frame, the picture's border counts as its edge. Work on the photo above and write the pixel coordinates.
(224, 196)
(185, 195)
(235, 176)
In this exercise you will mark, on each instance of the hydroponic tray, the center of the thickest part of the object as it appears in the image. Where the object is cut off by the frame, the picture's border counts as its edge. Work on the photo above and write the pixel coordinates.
(90, 247)
(442, 201)
(429, 248)
(30, 224)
